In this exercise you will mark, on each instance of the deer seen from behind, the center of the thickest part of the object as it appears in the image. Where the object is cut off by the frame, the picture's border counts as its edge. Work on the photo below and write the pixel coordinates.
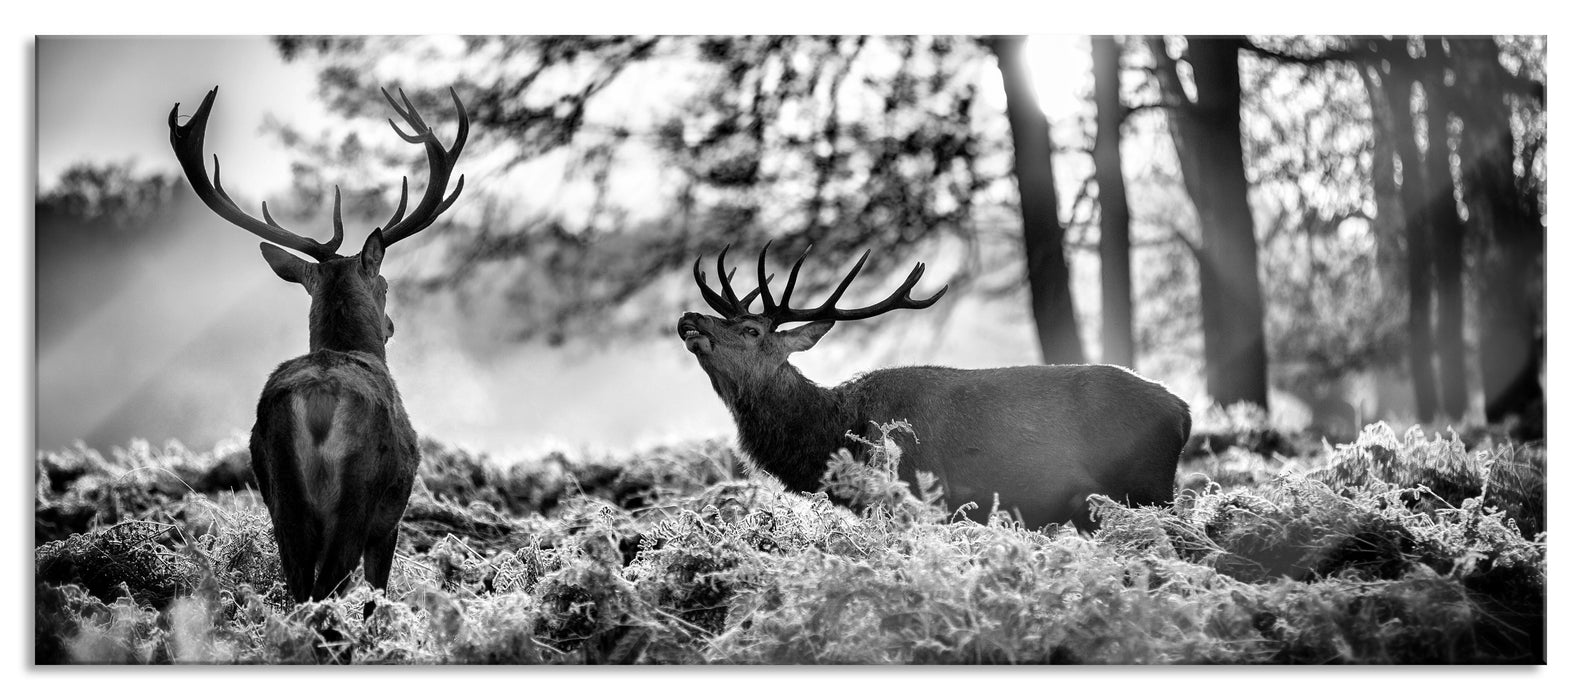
(1040, 439)
(332, 449)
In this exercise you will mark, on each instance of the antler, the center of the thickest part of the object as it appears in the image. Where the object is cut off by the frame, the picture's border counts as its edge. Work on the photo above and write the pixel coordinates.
(782, 312)
(187, 141)
(441, 162)
(727, 305)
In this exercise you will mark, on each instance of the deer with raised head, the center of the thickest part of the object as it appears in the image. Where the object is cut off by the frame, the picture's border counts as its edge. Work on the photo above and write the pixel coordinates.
(332, 449)
(1041, 438)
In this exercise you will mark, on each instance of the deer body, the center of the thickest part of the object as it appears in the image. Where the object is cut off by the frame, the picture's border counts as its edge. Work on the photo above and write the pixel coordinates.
(1024, 434)
(335, 458)
(1041, 439)
(332, 450)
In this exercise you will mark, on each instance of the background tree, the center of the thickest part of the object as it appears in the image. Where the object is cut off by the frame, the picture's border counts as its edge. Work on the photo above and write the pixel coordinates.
(1391, 62)
(888, 142)
(1505, 199)
(1326, 244)
(1505, 88)
(1206, 129)
(1115, 249)
(1449, 247)
(1043, 232)
(847, 142)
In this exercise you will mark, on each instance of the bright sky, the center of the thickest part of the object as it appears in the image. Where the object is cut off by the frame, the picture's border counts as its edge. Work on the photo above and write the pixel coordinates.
(106, 99)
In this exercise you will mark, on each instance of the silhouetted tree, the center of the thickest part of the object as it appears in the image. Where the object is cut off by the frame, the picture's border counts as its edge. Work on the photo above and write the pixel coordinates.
(1448, 244)
(1393, 66)
(1207, 135)
(1042, 231)
(1115, 247)
(1509, 215)
(1492, 91)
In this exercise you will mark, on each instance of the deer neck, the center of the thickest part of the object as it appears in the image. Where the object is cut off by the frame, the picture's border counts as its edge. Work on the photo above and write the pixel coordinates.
(789, 425)
(346, 326)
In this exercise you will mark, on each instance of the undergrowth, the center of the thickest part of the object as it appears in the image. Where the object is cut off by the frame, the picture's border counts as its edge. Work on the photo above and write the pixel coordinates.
(1398, 548)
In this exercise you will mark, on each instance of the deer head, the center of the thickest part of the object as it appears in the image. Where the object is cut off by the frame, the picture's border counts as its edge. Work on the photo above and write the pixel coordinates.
(348, 308)
(740, 347)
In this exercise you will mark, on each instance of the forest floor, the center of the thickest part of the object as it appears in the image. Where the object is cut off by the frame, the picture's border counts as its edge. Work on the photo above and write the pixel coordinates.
(1399, 547)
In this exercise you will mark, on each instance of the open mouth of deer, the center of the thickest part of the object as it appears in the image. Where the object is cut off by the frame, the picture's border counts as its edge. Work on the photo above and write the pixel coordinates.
(697, 343)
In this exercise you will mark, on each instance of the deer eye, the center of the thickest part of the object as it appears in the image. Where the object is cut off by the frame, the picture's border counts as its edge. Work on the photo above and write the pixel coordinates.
(749, 330)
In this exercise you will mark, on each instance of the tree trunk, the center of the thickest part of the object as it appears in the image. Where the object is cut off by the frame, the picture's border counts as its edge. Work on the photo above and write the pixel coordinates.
(1448, 239)
(1207, 136)
(1115, 247)
(1045, 237)
(1388, 220)
(1510, 288)
(1419, 264)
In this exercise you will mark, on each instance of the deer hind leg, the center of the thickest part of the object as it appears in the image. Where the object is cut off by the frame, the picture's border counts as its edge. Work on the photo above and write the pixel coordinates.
(297, 539)
(293, 522)
(378, 556)
(342, 548)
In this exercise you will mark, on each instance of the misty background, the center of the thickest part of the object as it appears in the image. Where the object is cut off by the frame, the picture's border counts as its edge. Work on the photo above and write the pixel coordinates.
(538, 312)
(171, 333)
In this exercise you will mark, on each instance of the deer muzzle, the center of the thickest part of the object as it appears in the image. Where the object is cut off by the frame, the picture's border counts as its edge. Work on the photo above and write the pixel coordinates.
(689, 328)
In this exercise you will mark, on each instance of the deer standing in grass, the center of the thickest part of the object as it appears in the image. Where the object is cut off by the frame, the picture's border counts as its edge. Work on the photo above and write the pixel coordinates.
(332, 449)
(1040, 438)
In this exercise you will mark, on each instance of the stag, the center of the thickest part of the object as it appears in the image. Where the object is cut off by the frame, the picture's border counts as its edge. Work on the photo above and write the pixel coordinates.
(1040, 439)
(332, 449)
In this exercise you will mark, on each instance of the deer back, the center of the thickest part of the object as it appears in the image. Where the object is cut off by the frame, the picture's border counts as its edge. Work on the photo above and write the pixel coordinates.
(335, 457)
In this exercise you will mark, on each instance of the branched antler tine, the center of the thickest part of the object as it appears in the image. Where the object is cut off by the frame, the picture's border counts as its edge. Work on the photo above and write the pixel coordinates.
(402, 134)
(421, 132)
(785, 295)
(900, 299)
(400, 206)
(441, 162)
(911, 278)
(397, 106)
(187, 142)
(412, 115)
(829, 304)
(902, 294)
(715, 301)
(827, 311)
(340, 231)
(930, 301)
(460, 181)
(463, 127)
(219, 188)
(725, 281)
(748, 300)
(763, 281)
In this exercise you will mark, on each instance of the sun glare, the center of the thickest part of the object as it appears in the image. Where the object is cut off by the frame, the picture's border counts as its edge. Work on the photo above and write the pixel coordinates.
(1060, 65)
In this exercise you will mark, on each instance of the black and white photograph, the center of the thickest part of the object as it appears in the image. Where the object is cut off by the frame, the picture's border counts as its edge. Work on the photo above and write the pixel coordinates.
(855, 349)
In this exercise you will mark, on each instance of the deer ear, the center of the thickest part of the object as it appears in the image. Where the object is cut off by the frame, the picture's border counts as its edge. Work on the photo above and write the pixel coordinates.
(373, 253)
(289, 267)
(804, 337)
